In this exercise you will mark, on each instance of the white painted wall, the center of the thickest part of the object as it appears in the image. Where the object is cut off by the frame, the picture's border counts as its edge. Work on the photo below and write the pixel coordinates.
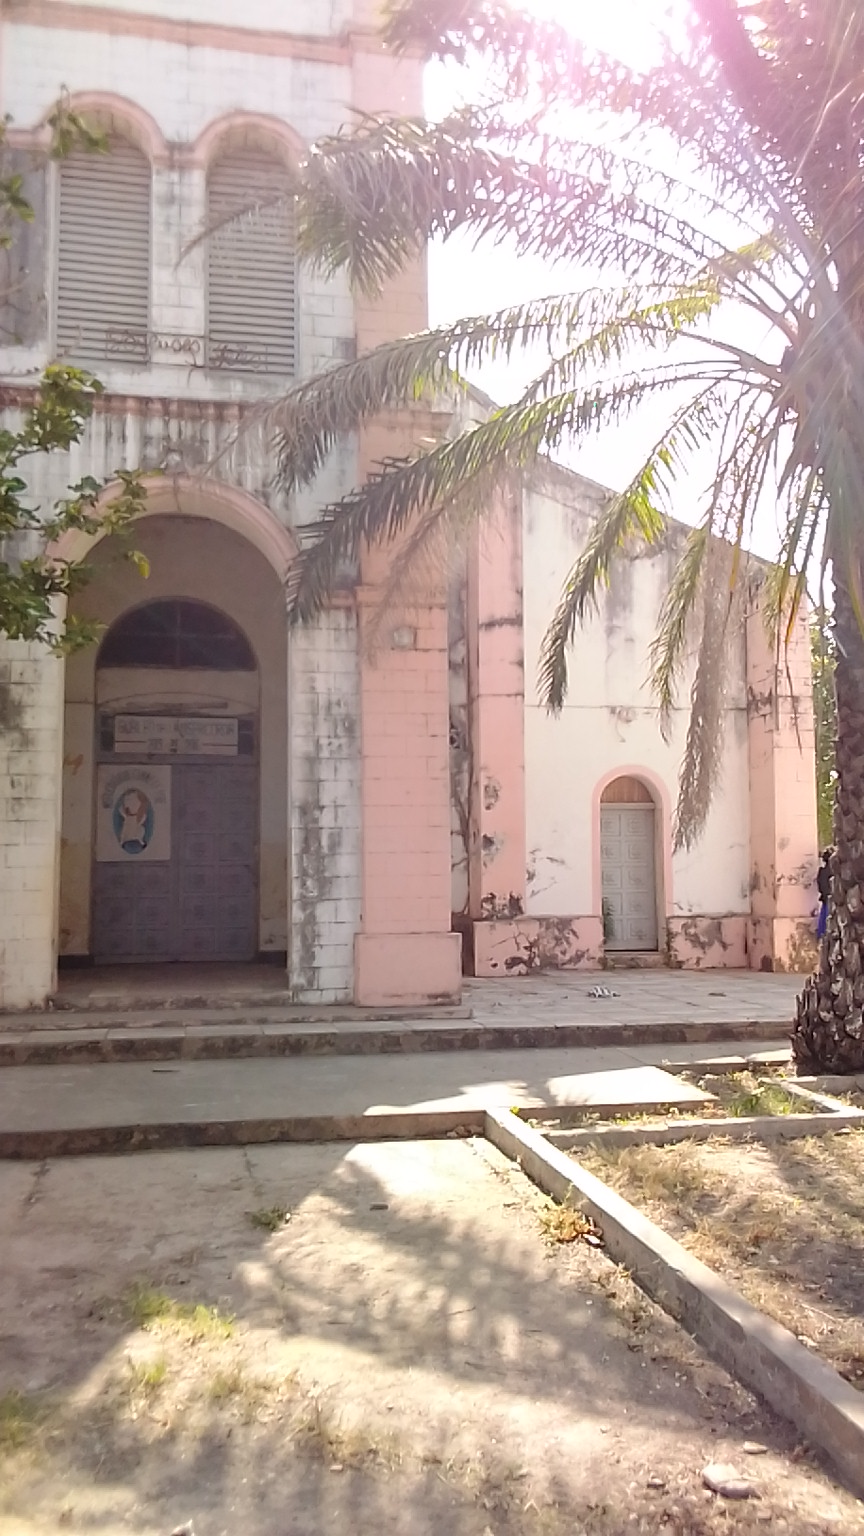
(609, 722)
(312, 17)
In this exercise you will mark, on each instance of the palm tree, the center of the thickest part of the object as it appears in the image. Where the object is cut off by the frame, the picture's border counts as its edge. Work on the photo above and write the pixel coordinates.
(757, 231)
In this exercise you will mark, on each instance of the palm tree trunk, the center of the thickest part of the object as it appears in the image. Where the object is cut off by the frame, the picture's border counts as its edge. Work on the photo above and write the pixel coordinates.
(829, 1028)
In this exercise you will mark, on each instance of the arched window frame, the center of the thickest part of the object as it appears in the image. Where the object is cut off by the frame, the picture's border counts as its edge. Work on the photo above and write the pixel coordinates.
(231, 347)
(182, 626)
(126, 341)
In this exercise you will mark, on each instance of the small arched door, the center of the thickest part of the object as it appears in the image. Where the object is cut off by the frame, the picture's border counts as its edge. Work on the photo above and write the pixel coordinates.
(628, 840)
(175, 873)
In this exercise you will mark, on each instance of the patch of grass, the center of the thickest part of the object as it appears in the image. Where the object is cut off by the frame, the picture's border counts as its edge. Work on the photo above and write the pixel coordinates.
(763, 1099)
(20, 1417)
(144, 1305)
(227, 1384)
(346, 1445)
(202, 1322)
(269, 1220)
(250, 1397)
(148, 1375)
(657, 1173)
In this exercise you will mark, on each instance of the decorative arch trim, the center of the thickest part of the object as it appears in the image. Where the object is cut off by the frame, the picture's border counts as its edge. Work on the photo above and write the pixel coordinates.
(209, 499)
(248, 130)
(663, 808)
(126, 117)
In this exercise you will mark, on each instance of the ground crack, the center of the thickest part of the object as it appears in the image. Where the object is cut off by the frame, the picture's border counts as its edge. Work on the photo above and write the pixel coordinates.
(34, 1194)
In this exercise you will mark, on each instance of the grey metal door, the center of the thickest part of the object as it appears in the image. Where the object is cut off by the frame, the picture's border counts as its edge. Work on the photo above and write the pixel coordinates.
(216, 886)
(202, 903)
(629, 878)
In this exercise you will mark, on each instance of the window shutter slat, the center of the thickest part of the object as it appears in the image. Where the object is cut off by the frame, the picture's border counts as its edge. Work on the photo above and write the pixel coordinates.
(103, 278)
(252, 288)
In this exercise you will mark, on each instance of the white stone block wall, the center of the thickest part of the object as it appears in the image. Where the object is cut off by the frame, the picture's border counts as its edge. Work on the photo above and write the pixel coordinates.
(324, 789)
(31, 702)
(184, 90)
(320, 18)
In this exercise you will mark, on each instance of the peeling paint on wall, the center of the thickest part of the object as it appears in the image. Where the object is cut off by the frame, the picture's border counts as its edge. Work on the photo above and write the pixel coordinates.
(525, 945)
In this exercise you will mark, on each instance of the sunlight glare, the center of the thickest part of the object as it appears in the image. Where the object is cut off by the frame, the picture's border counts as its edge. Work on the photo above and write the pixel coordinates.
(629, 29)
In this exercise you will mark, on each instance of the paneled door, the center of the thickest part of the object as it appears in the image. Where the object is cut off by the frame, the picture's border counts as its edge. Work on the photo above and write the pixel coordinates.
(629, 876)
(197, 899)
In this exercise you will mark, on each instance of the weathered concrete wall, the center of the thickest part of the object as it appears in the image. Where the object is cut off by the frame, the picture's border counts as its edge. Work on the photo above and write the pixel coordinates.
(609, 725)
(325, 812)
(784, 855)
(461, 747)
(31, 695)
(497, 694)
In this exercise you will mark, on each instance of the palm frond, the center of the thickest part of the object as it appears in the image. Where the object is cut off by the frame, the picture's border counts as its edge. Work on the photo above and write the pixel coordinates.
(370, 202)
(594, 327)
(637, 513)
(667, 650)
(470, 467)
(703, 751)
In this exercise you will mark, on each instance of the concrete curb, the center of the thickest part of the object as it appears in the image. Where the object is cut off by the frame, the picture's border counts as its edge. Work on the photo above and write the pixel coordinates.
(248, 998)
(761, 1353)
(739, 1128)
(197, 1042)
(88, 1141)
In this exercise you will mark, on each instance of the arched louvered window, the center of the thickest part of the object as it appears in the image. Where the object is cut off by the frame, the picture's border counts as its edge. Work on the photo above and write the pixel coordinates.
(103, 259)
(252, 266)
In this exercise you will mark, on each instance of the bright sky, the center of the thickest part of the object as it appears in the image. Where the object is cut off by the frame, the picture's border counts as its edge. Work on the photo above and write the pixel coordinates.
(467, 281)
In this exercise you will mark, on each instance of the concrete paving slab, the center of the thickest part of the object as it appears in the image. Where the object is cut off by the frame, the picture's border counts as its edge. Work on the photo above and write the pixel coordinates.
(137, 1093)
(52, 1111)
(642, 1085)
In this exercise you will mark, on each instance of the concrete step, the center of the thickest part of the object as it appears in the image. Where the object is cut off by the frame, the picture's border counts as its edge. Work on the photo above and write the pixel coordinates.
(189, 1037)
(636, 960)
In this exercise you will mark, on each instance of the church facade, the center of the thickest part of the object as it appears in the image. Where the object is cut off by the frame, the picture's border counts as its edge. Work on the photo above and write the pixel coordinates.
(373, 804)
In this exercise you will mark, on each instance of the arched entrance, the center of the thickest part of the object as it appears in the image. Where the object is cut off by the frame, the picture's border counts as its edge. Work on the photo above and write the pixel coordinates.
(628, 842)
(175, 803)
(175, 871)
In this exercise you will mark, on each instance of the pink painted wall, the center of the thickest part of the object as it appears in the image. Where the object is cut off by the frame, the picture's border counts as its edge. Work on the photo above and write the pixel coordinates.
(496, 680)
(783, 847)
(405, 952)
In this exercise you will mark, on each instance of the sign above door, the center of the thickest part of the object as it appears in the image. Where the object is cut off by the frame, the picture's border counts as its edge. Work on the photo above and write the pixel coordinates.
(176, 735)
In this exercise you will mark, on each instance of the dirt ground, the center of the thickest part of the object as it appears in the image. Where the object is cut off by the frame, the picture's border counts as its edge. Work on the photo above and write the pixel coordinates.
(783, 1222)
(405, 1354)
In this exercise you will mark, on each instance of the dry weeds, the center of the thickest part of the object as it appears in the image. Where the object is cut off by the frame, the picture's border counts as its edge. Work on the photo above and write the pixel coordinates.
(782, 1222)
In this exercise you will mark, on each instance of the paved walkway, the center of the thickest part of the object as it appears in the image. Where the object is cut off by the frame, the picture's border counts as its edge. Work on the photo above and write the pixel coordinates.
(552, 1010)
(46, 1110)
(645, 997)
(555, 997)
